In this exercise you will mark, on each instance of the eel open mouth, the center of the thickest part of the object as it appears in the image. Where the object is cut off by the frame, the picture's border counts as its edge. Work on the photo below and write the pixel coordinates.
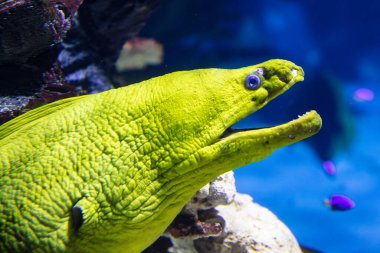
(236, 148)
(304, 126)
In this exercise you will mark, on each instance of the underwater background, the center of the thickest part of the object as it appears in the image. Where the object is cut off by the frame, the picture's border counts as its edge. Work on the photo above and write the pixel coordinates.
(338, 45)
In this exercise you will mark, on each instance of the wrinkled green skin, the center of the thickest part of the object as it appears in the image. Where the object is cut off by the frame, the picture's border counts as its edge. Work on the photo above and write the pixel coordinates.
(131, 158)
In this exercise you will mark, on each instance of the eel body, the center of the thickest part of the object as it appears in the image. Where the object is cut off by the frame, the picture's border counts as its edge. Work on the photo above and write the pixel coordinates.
(108, 172)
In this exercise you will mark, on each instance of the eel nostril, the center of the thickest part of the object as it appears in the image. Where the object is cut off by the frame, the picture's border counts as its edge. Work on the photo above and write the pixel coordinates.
(284, 79)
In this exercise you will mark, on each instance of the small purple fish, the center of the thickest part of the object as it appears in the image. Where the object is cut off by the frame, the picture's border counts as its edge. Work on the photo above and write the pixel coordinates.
(340, 203)
(363, 95)
(329, 167)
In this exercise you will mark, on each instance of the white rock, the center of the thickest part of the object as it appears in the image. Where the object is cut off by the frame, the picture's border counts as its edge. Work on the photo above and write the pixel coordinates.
(248, 227)
(220, 191)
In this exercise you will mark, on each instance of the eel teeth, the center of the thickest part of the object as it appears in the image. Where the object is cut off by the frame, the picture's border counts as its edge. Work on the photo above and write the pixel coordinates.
(303, 115)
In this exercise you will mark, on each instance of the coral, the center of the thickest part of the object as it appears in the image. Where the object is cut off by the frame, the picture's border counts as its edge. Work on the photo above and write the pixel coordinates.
(31, 32)
(46, 53)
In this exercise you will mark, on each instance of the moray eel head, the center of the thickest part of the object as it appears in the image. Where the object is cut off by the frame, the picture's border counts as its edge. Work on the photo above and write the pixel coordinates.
(263, 83)
(229, 96)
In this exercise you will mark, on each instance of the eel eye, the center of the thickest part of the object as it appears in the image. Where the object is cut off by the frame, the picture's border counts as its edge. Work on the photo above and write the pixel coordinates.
(252, 82)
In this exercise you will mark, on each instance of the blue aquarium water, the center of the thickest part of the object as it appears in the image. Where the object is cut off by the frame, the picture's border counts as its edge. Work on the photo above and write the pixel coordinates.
(338, 45)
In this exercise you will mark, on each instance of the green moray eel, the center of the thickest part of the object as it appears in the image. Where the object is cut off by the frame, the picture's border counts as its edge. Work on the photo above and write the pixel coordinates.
(109, 172)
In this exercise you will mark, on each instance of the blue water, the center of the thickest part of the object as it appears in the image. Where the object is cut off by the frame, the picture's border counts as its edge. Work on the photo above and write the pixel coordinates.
(292, 185)
(338, 45)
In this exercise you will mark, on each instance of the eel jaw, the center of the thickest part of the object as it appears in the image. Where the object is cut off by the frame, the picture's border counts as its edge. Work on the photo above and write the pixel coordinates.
(239, 148)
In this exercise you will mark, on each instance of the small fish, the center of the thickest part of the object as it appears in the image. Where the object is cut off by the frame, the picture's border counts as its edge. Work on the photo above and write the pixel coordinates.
(364, 95)
(340, 203)
(329, 167)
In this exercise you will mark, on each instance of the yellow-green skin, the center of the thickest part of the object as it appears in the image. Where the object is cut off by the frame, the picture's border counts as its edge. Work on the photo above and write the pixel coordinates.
(131, 158)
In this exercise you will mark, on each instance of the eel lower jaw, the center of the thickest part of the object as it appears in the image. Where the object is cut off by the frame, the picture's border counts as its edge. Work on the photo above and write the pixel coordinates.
(237, 148)
(304, 126)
